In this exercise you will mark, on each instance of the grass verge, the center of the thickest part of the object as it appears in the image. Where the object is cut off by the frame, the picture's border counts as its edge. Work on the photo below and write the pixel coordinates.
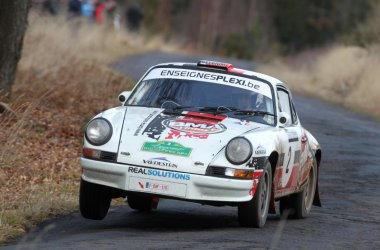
(62, 81)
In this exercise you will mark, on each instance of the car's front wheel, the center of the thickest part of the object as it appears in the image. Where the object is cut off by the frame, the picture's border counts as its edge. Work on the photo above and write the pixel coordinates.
(94, 200)
(297, 206)
(140, 202)
(254, 213)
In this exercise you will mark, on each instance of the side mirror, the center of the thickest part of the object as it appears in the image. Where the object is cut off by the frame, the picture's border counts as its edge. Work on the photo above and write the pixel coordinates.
(124, 96)
(284, 120)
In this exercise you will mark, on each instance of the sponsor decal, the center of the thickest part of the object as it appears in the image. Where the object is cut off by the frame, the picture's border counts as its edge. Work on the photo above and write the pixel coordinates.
(195, 125)
(160, 161)
(252, 191)
(303, 142)
(297, 155)
(256, 178)
(292, 181)
(257, 85)
(195, 128)
(260, 150)
(156, 186)
(159, 173)
(144, 122)
(293, 136)
(166, 147)
(173, 134)
(192, 125)
(257, 162)
(211, 77)
(295, 139)
(155, 128)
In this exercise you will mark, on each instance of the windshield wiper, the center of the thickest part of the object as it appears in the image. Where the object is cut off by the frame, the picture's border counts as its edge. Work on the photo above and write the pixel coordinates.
(235, 111)
(176, 110)
(251, 112)
(216, 110)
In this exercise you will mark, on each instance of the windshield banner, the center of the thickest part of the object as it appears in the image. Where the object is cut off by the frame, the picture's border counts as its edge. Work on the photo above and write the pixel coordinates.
(225, 79)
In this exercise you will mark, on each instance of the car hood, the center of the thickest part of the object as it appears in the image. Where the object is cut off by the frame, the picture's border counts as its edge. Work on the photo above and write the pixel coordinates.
(187, 142)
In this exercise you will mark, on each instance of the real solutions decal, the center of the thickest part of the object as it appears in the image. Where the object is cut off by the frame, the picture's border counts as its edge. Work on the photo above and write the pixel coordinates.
(158, 173)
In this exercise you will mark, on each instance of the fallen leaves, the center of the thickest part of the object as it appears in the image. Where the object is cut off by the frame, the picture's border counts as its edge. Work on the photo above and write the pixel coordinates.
(40, 151)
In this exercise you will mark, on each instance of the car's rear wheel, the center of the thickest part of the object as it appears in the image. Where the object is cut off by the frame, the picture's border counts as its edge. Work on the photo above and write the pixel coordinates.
(94, 200)
(140, 202)
(297, 206)
(254, 213)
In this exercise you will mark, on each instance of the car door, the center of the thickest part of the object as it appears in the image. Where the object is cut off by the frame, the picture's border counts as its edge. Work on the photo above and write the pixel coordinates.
(288, 169)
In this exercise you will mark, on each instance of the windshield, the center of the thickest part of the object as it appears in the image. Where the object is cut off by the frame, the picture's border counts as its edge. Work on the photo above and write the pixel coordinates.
(185, 94)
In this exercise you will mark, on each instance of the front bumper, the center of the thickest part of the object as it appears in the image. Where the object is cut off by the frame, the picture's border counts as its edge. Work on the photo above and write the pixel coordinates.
(166, 183)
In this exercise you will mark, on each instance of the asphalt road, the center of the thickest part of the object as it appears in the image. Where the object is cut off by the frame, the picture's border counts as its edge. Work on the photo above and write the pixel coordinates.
(349, 186)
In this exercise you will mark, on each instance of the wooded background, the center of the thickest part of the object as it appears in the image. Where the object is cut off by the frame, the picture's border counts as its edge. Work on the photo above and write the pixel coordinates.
(245, 28)
(13, 20)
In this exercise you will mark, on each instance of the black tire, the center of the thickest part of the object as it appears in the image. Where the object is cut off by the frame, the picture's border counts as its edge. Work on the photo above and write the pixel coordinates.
(140, 202)
(254, 213)
(94, 200)
(298, 206)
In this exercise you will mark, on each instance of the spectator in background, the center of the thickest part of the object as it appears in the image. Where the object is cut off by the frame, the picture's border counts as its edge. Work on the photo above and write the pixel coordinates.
(113, 13)
(88, 9)
(75, 7)
(99, 12)
(134, 16)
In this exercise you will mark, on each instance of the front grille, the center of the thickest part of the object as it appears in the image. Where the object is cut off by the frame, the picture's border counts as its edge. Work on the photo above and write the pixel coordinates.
(108, 156)
(216, 171)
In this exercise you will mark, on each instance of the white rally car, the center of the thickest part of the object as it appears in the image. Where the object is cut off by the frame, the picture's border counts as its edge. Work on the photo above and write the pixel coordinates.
(203, 132)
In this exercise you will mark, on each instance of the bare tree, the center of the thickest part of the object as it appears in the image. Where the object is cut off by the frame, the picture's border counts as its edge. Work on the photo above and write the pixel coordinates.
(13, 22)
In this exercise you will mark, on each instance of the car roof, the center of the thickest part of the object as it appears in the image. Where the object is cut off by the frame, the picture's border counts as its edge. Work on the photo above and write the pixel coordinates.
(228, 68)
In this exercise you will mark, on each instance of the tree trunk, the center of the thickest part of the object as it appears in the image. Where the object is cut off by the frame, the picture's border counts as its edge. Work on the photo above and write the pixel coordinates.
(13, 22)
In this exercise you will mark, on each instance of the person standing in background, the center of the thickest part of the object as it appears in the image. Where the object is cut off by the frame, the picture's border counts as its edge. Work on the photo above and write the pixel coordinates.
(99, 12)
(113, 13)
(75, 7)
(88, 9)
(134, 16)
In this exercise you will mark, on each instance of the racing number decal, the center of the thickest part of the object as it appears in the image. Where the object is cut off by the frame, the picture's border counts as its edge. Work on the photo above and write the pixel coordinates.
(290, 156)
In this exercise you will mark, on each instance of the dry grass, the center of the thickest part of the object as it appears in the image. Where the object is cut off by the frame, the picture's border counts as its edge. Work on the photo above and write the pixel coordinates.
(61, 82)
(345, 75)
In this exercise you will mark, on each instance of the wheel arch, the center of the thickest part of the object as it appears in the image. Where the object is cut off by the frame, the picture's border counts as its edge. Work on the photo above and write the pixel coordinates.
(273, 159)
(318, 158)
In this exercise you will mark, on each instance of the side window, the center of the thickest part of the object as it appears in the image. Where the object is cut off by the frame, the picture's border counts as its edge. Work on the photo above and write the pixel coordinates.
(286, 105)
(294, 114)
(283, 99)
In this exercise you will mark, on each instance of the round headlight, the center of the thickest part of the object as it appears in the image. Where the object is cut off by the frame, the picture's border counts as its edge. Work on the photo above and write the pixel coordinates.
(238, 150)
(98, 131)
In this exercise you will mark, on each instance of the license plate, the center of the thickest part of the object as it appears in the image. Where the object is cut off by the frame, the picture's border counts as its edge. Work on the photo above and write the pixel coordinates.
(157, 187)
